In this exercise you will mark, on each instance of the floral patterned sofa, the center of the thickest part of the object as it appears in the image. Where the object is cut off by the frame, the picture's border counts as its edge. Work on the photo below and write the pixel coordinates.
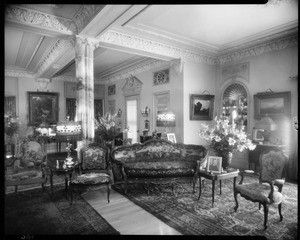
(156, 159)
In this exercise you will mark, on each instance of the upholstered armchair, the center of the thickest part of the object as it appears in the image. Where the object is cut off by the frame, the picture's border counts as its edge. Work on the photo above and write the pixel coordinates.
(94, 170)
(29, 167)
(267, 189)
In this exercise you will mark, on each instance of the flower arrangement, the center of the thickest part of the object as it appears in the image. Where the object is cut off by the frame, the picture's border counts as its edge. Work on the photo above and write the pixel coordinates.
(106, 127)
(225, 139)
(11, 124)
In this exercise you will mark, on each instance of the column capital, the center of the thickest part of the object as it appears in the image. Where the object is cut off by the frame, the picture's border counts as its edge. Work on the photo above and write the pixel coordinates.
(86, 41)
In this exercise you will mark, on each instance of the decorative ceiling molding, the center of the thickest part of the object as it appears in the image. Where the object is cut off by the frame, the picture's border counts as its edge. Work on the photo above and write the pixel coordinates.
(276, 45)
(142, 44)
(85, 15)
(18, 73)
(33, 18)
(139, 68)
(56, 50)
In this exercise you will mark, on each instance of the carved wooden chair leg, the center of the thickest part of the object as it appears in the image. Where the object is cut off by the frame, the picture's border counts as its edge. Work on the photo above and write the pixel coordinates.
(194, 184)
(266, 212)
(108, 191)
(279, 210)
(236, 201)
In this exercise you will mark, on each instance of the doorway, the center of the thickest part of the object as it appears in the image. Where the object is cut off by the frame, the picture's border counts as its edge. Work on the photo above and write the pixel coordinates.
(132, 119)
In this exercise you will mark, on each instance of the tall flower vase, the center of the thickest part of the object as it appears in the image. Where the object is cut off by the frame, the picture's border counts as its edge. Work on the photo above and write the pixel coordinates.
(226, 160)
(110, 144)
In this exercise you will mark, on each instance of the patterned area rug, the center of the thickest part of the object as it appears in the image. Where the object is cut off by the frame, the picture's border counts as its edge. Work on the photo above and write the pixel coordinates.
(189, 216)
(35, 212)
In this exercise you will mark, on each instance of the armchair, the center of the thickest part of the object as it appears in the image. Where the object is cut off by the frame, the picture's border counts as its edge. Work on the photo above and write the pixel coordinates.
(29, 167)
(268, 189)
(94, 169)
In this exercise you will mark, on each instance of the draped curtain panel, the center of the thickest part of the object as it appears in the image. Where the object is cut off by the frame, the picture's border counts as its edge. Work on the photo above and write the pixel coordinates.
(71, 108)
(10, 105)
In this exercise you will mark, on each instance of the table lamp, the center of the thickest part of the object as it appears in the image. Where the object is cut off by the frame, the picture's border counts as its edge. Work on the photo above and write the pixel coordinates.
(68, 131)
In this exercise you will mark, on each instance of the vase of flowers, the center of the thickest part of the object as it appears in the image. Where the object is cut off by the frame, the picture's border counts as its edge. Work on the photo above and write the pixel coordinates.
(225, 139)
(11, 127)
(107, 129)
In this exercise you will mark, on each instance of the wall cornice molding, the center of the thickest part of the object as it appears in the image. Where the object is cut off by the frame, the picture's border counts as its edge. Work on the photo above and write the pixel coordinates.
(142, 44)
(139, 68)
(275, 45)
(31, 17)
(18, 73)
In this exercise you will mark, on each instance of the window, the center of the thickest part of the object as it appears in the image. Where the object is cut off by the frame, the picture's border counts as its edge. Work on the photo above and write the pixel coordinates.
(132, 117)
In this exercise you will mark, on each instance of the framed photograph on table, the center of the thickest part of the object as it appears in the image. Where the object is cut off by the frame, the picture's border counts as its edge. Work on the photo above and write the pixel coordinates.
(257, 135)
(214, 164)
(171, 137)
(201, 107)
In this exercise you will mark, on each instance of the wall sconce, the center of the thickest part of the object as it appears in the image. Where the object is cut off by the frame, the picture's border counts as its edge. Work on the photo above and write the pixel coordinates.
(145, 112)
(119, 114)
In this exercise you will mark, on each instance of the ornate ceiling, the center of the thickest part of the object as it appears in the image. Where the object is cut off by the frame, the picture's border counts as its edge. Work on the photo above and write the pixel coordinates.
(39, 38)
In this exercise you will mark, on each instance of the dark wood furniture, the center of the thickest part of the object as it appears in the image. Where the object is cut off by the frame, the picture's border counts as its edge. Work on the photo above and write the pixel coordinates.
(60, 170)
(144, 138)
(267, 189)
(233, 173)
(253, 162)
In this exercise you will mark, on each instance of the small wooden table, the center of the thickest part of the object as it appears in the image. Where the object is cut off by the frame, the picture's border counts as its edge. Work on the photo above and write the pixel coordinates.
(67, 172)
(232, 173)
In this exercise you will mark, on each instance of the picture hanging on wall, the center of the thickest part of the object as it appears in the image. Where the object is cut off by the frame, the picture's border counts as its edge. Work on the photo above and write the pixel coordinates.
(272, 104)
(43, 106)
(201, 107)
(161, 77)
(112, 89)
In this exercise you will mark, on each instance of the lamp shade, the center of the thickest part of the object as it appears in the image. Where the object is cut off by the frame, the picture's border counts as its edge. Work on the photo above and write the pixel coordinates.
(266, 123)
(68, 131)
(166, 118)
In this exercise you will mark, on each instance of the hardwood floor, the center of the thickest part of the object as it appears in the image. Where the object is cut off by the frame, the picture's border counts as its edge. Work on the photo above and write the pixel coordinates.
(125, 216)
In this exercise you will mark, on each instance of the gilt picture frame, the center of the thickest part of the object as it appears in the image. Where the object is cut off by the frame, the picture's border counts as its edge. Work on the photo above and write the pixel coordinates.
(273, 105)
(201, 107)
(43, 106)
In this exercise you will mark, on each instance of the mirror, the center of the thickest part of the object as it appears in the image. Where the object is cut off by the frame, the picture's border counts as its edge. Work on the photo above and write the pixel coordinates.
(235, 104)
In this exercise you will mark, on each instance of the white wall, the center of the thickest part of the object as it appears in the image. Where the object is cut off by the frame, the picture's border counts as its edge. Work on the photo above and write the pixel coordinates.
(198, 77)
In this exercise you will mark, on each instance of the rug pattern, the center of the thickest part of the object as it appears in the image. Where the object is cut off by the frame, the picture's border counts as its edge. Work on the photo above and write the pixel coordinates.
(189, 216)
(35, 212)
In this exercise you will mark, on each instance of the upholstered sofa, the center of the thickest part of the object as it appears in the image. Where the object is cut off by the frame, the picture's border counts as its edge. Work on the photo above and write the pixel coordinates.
(156, 159)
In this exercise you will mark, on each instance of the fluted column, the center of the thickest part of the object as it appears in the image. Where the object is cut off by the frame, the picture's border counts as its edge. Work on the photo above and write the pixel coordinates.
(84, 57)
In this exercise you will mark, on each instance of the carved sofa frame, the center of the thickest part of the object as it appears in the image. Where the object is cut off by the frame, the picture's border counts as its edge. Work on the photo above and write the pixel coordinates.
(156, 159)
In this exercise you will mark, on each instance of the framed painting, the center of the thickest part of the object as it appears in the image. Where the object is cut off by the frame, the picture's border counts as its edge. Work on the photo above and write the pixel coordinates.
(214, 164)
(201, 107)
(273, 105)
(257, 135)
(171, 137)
(43, 106)
(112, 89)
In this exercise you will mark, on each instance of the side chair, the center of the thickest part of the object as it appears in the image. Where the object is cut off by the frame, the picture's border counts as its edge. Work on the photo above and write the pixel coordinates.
(267, 189)
(94, 170)
(29, 167)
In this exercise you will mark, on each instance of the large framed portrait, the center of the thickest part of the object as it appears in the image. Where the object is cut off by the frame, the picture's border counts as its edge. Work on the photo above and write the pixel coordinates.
(214, 164)
(43, 106)
(272, 104)
(201, 107)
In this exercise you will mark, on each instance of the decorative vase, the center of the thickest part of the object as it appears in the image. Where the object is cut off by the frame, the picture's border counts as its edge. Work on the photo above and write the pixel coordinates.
(226, 160)
(109, 143)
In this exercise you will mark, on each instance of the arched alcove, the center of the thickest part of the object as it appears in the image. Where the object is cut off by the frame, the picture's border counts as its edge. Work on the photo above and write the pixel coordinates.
(235, 104)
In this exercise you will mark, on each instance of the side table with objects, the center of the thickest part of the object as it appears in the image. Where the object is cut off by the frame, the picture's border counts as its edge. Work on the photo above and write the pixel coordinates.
(57, 165)
(230, 173)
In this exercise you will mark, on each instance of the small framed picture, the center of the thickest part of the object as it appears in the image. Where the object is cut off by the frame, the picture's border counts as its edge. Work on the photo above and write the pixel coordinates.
(257, 135)
(214, 164)
(171, 137)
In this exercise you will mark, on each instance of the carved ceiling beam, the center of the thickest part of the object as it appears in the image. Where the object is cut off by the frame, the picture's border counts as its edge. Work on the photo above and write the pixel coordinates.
(147, 45)
(34, 19)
